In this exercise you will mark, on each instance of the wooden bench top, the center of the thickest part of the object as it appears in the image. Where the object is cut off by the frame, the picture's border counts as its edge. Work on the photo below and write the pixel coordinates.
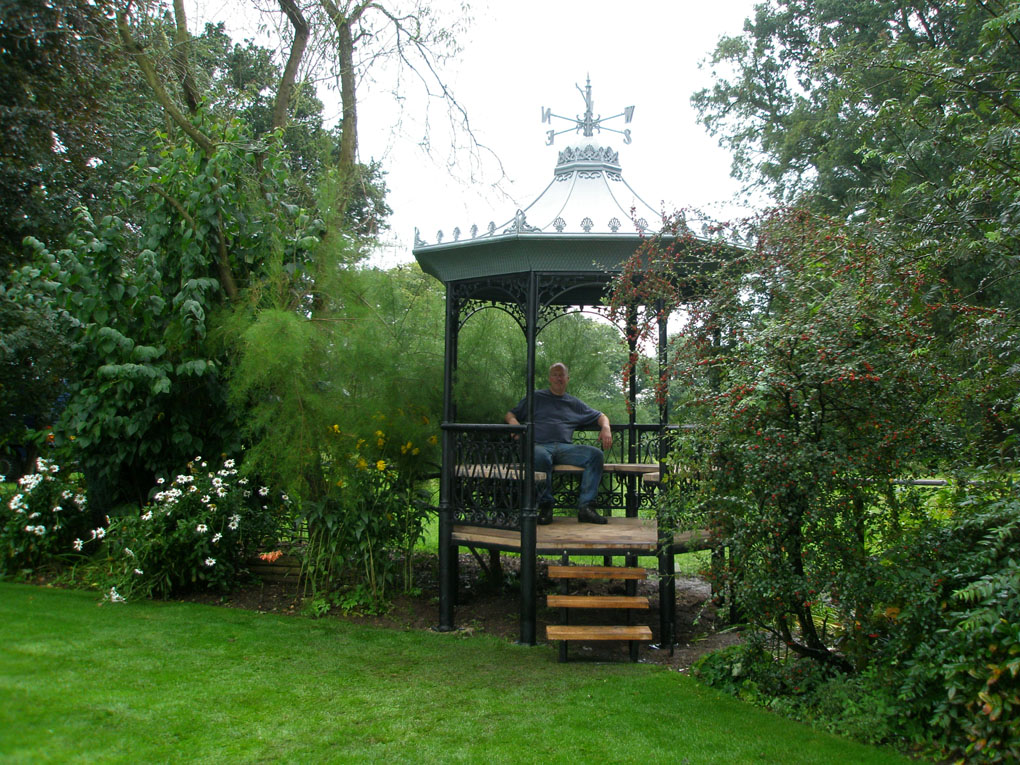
(513, 473)
(628, 468)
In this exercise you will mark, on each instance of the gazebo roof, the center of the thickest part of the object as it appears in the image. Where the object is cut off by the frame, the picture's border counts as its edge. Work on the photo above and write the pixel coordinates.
(587, 219)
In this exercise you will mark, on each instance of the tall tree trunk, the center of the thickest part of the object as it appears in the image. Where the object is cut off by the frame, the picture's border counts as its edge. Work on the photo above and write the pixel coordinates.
(349, 129)
(182, 42)
(152, 78)
(285, 93)
(344, 22)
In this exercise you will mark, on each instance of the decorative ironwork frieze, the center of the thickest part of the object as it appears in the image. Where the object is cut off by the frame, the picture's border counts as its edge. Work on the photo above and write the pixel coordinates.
(520, 225)
(588, 153)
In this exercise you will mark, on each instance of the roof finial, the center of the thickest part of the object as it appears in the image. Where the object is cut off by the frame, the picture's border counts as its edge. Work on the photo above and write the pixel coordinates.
(588, 124)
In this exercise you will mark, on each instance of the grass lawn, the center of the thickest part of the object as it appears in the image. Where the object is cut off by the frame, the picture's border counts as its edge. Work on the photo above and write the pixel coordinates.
(175, 682)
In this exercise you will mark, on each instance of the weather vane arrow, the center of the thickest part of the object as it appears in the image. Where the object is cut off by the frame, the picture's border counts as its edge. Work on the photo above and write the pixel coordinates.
(589, 123)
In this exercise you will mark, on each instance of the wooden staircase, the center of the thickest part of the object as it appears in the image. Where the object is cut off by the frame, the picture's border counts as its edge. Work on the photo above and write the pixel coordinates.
(629, 603)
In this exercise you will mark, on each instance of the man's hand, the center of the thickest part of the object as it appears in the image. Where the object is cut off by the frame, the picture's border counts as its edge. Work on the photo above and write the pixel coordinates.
(606, 437)
(509, 419)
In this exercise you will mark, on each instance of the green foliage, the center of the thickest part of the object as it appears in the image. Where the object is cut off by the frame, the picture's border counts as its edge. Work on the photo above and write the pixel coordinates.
(137, 308)
(860, 706)
(944, 673)
(366, 348)
(55, 70)
(40, 517)
(362, 534)
(491, 369)
(904, 114)
(952, 626)
(196, 533)
(33, 367)
(815, 382)
(793, 95)
(370, 357)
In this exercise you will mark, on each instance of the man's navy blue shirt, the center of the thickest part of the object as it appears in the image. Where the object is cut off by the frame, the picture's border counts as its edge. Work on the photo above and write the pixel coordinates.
(556, 417)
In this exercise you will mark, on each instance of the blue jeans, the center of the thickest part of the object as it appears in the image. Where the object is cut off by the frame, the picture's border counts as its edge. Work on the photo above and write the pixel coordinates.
(579, 455)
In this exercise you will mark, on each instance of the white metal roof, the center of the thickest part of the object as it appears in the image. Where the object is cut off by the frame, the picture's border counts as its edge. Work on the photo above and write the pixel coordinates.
(587, 195)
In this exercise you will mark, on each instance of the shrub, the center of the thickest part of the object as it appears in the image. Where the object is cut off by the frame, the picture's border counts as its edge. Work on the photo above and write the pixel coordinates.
(944, 671)
(41, 516)
(363, 533)
(954, 641)
(197, 532)
(860, 706)
(816, 379)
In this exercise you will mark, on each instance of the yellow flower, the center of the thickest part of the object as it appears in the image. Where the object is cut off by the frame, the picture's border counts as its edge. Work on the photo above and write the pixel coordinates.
(424, 420)
(416, 451)
(433, 440)
(341, 483)
(380, 465)
(362, 465)
(361, 442)
(380, 433)
(381, 442)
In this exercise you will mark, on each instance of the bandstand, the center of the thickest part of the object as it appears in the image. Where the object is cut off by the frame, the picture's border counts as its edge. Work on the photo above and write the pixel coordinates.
(556, 256)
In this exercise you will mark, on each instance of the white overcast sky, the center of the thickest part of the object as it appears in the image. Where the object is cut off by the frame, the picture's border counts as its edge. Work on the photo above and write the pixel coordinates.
(519, 56)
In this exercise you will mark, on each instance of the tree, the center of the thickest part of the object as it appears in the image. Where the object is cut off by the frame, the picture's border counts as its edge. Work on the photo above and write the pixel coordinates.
(137, 304)
(902, 114)
(816, 381)
(882, 109)
(53, 78)
(804, 87)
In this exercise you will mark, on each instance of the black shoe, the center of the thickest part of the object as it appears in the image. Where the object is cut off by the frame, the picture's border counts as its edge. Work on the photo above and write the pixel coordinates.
(545, 513)
(587, 515)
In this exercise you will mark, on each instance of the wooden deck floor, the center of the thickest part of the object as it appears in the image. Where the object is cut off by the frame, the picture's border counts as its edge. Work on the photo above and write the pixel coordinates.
(619, 536)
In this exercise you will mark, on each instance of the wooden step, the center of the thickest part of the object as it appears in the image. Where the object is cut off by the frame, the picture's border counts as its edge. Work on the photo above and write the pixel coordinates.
(596, 572)
(587, 632)
(597, 601)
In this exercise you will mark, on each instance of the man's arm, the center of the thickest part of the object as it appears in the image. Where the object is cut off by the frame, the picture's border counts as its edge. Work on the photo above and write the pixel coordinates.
(511, 419)
(605, 432)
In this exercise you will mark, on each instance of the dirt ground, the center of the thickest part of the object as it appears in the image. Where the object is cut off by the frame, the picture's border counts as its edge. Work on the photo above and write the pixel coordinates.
(485, 608)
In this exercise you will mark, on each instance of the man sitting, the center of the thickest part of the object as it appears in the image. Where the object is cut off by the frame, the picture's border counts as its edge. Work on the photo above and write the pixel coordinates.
(557, 415)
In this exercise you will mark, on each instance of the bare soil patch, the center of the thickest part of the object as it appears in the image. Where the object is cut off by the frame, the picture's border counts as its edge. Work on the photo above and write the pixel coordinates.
(493, 608)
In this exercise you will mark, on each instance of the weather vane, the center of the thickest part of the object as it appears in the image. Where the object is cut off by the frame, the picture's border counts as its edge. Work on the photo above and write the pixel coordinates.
(589, 123)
